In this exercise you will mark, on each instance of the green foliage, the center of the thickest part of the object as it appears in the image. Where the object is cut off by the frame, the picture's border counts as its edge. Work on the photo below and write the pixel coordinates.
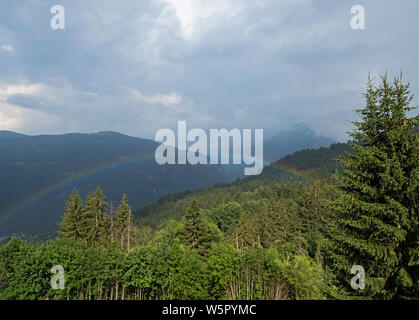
(376, 214)
(96, 221)
(249, 258)
(304, 278)
(124, 228)
(221, 265)
(196, 232)
(71, 225)
(11, 255)
(226, 215)
(318, 162)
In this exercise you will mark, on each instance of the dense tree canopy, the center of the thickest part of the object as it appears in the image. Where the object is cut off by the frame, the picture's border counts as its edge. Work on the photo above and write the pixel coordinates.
(376, 214)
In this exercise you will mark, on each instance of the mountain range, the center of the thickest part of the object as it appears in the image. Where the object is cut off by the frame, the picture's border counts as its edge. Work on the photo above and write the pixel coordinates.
(39, 172)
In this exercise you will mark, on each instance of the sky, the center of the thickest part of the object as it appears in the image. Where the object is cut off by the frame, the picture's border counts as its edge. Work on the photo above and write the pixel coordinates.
(138, 66)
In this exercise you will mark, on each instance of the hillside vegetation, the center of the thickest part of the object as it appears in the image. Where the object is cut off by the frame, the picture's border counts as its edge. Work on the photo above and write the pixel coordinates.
(294, 232)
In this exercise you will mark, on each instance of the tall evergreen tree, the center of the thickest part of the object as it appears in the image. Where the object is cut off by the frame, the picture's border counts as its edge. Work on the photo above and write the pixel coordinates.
(194, 231)
(97, 224)
(124, 224)
(376, 213)
(71, 224)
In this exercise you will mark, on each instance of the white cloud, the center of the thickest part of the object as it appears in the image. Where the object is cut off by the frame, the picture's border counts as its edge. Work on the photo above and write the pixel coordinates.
(10, 118)
(16, 118)
(169, 99)
(63, 107)
(195, 15)
(7, 91)
(7, 48)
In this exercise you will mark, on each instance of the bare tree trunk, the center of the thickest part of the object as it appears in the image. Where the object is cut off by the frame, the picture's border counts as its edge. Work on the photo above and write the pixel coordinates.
(237, 241)
(111, 217)
(129, 230)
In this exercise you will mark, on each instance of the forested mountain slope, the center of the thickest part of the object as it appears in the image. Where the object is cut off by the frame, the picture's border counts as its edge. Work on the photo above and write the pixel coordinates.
(38, 173)
(302, 166)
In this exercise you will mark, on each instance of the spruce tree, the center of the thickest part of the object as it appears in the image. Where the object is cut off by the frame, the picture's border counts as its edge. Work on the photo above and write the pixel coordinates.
(194, 232)
(70, 226)
(124, 224)
(97, 224)
(376, 213)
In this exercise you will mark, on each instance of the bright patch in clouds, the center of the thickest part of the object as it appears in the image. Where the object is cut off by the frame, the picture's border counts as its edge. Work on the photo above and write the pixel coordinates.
(7, 91)
(195, 15)
(14, 117)
(7, 48)
(17, 118)
(172, 98)
(10, 117)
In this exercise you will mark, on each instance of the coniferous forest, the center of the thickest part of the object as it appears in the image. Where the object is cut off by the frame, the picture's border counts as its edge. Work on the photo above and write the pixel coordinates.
(293, 232)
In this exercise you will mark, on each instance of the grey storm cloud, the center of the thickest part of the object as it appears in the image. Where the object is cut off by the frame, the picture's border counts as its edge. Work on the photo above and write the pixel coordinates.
(138, 66)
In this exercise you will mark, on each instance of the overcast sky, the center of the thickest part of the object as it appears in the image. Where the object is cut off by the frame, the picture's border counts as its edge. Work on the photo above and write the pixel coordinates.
(141, 65)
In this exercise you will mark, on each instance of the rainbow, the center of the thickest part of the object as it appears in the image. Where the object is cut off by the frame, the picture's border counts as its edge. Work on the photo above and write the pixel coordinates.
(292, 171)
(40, 194)
(114, 163)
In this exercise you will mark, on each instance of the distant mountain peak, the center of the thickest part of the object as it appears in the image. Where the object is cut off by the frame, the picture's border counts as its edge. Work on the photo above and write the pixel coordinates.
(105, 133)
(298, 137)
(5, 134)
